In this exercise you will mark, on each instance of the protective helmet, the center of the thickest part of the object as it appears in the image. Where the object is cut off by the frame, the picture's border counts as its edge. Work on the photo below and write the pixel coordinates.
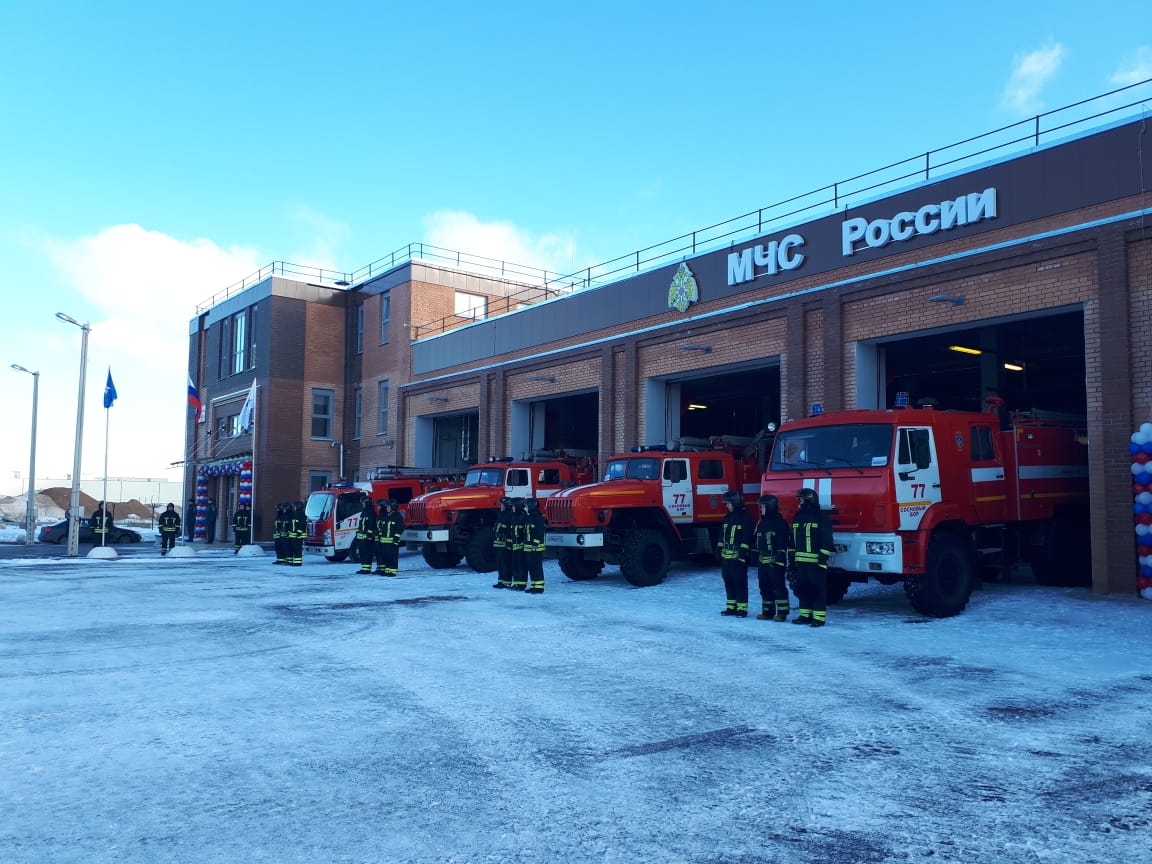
(381, 502)
(171, 506)
(300, 504)
(517, 502)
(532, 504)
(807, 496)
(393, 503)
(734, 498)
(505, 501)
(770, 503)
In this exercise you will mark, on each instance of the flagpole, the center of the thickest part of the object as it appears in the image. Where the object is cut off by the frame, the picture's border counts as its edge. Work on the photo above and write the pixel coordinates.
(107, 418)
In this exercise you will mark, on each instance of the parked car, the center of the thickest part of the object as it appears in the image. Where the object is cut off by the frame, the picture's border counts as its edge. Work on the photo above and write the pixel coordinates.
(58, 533)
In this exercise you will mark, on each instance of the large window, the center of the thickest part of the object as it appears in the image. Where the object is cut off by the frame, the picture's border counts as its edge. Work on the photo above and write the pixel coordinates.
(322, 413)
(473, 306)
(318, 480)
(383, 428)
(359, 404)
(239, 342)
(360, 329)
(385, 316)
(225, 367)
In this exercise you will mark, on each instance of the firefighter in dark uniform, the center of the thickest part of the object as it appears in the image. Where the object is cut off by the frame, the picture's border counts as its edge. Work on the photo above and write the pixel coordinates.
(772, 554)
(241, 527)
(297, 531)
(278, 533)
(736, 537)
(811, 552)
(533, 546)
(501, 541)
(169, 523)
(516, 563)
(366, 537)
(99, 522)
(389, 528)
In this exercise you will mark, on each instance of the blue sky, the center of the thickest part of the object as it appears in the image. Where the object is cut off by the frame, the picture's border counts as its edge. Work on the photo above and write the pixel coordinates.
(155, 153)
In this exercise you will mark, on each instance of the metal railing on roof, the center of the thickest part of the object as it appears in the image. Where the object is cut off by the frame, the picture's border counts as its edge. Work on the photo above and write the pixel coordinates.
(543, 284)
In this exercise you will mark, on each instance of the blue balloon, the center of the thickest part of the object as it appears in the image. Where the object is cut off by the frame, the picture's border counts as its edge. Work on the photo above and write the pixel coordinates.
(1139, 508)
(1146, 572)
(1143, 478)
(1134, 448)
(1146, 447)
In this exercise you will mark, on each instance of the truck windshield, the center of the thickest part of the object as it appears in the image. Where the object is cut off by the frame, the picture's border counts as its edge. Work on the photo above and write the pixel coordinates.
(485, 477)
(319, 505)
(633, 469)
(851, 445)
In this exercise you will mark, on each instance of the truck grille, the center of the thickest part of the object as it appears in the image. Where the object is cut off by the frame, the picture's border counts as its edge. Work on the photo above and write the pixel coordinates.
(416, 513)
(558, 511)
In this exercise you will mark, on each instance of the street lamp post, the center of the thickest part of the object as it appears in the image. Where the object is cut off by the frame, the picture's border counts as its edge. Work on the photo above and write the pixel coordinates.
(74, 508)
(30, 513)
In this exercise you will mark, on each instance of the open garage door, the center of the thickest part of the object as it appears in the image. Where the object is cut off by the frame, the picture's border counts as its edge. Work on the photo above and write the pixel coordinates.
(454, 441)
(740, 402)
(1034, 363)
(568, 423)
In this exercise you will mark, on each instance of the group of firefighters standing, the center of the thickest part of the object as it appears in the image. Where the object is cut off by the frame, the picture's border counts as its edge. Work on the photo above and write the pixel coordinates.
(777, 548)
(379, 537)
(518, 541)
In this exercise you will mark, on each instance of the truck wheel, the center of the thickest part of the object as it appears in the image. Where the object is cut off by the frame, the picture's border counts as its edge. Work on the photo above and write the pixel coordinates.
(576, 567)
(440, 560)
(942, 590)
(645, 558)
(479, 552)
(338, 557)
(837, 587)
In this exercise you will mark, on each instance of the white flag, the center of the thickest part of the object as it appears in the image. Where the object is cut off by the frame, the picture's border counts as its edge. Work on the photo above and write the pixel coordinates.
(248, 410)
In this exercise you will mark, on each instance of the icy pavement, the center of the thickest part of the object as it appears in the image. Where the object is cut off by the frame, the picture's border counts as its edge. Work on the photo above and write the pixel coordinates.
(230, 710)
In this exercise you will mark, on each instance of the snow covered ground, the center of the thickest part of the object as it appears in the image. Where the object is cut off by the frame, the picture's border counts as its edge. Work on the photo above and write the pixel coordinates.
(223, 709)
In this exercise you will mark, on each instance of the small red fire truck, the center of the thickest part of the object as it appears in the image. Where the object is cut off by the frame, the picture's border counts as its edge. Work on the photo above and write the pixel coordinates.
(334, 513)
(458, 523)
(928, 497)
(652, 506)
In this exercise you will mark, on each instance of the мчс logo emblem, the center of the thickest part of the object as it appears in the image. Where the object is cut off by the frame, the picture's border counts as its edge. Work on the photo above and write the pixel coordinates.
(683, 292)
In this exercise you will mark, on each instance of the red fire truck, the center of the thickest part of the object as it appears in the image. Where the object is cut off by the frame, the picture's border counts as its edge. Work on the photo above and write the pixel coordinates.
(334, 513)
(653, 505)
(928, 497)
(458, 523)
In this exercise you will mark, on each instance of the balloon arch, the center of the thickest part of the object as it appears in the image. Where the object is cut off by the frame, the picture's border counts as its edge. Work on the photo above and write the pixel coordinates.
(232, 467)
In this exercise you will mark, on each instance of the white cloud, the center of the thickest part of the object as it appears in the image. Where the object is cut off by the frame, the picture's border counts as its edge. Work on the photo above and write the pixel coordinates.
(138, 289)
(1030, 73)
(1136, 67)
(460, 231)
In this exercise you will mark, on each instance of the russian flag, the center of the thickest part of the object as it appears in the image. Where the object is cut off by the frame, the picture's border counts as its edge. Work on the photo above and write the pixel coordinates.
(194, 399)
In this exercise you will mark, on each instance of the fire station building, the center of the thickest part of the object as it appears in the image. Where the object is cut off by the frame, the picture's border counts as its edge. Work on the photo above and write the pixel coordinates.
(1018, 271)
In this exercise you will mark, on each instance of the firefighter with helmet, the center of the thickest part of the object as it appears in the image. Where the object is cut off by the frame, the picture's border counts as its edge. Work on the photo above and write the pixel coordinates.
(502, 542)
(278, 536)
(811, 552)
(169, 527)
(736, 537)
(517, 564)
(771, 550)
(241, 527)
(534, 528)
(297, 531)
(366, 536)
(389, 528)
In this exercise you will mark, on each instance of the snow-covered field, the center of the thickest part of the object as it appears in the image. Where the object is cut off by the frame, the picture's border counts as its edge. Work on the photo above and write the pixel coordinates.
(223, 709)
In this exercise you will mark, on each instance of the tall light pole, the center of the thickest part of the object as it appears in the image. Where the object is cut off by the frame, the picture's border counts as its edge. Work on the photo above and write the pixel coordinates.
(74, 508)
(30, 513)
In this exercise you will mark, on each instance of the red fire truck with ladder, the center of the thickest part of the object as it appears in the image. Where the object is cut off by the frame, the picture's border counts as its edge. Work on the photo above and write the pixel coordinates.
(458, 523)
(930, 497)
(653, 505)
(334, 513)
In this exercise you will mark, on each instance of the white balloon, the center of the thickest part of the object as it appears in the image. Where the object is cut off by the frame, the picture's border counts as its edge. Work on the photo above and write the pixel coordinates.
(1144, 498)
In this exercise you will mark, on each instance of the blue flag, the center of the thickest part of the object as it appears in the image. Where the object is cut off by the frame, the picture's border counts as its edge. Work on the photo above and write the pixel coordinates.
(109, 391)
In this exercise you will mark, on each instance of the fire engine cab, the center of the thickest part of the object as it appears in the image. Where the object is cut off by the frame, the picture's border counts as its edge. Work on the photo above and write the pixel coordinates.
(334, 513)
(928, 497)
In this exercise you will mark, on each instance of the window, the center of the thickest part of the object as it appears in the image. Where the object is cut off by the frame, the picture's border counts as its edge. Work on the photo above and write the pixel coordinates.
(359, 402)
(385, 316)
(252, 337)
(982, 447)
(548, 477)
(225, 367)
(711, 469)
(318, 480)
(322, 413)
(383, 403)
(474, 306)
(239, 341)
(359, 327)
(517, 477)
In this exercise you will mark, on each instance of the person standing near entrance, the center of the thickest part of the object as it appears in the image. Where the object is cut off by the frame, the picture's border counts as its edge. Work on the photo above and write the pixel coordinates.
(210, 522)
(772, 554)
(389, 528)
(736, 537)
(241, 527)
(169, 523)
(811, 552)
